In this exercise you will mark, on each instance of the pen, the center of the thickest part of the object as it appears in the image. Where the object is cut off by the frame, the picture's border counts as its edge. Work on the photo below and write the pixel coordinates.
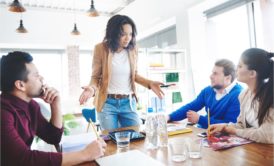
(94, 130)
(88, 126)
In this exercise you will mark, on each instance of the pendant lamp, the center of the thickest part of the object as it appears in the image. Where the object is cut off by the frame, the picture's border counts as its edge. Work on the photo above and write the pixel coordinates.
(21, 28)
(75, 30)
(92, 12)
(16, 6)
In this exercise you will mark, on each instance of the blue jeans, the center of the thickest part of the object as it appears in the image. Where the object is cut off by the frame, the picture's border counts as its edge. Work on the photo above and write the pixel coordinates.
(118, 113)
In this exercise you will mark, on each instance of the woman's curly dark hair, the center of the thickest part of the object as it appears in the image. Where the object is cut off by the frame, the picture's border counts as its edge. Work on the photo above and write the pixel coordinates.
(115, 29)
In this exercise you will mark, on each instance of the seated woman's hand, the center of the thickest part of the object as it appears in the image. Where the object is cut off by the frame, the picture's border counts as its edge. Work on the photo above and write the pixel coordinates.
(216, 128)
(229, 129)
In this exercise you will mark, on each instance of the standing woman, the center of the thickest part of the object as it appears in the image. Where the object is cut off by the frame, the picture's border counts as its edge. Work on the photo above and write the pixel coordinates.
(255, 121)
(114, 73)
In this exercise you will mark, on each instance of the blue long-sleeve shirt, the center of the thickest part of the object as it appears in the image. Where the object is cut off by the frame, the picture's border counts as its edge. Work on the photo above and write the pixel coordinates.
(224, 110)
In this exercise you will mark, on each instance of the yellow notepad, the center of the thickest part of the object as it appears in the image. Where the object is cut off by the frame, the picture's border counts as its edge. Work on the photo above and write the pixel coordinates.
(173, 129)
(181, 131)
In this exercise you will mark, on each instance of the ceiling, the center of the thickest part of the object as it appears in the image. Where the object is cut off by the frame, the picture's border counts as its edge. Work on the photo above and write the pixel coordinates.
(104, 7)
(145, 13)
(148, 16)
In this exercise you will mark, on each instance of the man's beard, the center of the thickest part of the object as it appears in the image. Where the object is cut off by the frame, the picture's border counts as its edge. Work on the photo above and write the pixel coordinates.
(217, 87)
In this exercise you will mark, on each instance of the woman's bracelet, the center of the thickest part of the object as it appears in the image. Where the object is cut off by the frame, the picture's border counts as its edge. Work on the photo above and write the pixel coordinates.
(91, 87)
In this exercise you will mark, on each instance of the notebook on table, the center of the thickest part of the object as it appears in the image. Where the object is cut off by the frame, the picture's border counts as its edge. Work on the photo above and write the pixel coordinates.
(129, 158)
(76, 142)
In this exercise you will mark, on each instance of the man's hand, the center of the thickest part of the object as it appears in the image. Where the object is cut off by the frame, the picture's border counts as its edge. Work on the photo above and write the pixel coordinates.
(50, 95)
(155, 87)
(192, 116)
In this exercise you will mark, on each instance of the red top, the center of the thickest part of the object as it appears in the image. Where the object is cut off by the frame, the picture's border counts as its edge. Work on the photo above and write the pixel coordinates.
(20, 122)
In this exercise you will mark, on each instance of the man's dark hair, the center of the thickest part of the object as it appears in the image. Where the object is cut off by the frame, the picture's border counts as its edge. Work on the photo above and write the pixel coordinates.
(13, 67)
(228, 66)
(114, 31)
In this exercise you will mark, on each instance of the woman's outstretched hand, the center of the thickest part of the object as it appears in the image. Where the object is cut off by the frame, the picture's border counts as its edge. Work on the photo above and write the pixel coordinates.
(86, 94)
(155, 87)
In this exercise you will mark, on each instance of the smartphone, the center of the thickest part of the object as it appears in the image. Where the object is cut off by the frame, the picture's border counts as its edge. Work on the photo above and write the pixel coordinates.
(167, 85)
(203, 134)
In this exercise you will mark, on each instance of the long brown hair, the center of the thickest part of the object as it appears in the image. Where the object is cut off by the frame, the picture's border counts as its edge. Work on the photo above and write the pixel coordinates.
(260, 61)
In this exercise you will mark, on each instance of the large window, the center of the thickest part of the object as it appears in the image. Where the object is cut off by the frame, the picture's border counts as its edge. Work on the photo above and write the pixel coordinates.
(50, 67)
(264, 16)
(227, 33)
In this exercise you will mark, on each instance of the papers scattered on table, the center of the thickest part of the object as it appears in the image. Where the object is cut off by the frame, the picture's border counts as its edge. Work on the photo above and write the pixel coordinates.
(76, 142)
(222, 141)
(130, 158)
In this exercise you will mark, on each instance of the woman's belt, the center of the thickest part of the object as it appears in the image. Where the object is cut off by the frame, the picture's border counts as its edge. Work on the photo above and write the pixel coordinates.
(118, 96)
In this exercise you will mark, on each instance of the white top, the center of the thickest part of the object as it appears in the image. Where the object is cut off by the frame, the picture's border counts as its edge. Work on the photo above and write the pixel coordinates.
(264, 133)
(219, 96)
(120, 75)
(251, 110)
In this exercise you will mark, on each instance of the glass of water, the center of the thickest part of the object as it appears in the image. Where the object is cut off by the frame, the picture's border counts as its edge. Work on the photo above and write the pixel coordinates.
(195, 148)
(122, 139)
(178, 150)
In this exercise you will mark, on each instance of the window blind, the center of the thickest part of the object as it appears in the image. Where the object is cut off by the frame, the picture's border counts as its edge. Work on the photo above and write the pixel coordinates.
(224, 7)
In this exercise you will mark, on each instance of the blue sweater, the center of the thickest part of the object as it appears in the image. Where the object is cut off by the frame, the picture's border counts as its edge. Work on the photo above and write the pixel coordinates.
(224, 110)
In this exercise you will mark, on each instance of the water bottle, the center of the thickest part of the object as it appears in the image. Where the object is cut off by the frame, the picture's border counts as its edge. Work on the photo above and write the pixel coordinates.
(151, 124)
(162, 128)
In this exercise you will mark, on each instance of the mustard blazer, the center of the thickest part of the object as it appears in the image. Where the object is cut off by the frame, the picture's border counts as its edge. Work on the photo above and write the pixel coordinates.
(101, 72)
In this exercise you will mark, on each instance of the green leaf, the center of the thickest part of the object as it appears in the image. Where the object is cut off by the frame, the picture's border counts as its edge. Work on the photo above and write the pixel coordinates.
(72, 124)
(66, 131)
(68, 117)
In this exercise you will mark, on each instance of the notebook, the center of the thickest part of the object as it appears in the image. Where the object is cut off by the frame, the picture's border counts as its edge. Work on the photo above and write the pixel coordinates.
(129, 158)
(76, 142)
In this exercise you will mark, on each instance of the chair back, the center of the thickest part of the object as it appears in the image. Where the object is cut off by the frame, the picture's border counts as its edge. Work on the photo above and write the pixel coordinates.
(89, 114)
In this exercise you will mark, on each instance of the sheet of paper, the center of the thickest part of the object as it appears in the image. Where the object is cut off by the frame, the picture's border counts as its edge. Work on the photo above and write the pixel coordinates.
(132, 158)
(77, 142)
